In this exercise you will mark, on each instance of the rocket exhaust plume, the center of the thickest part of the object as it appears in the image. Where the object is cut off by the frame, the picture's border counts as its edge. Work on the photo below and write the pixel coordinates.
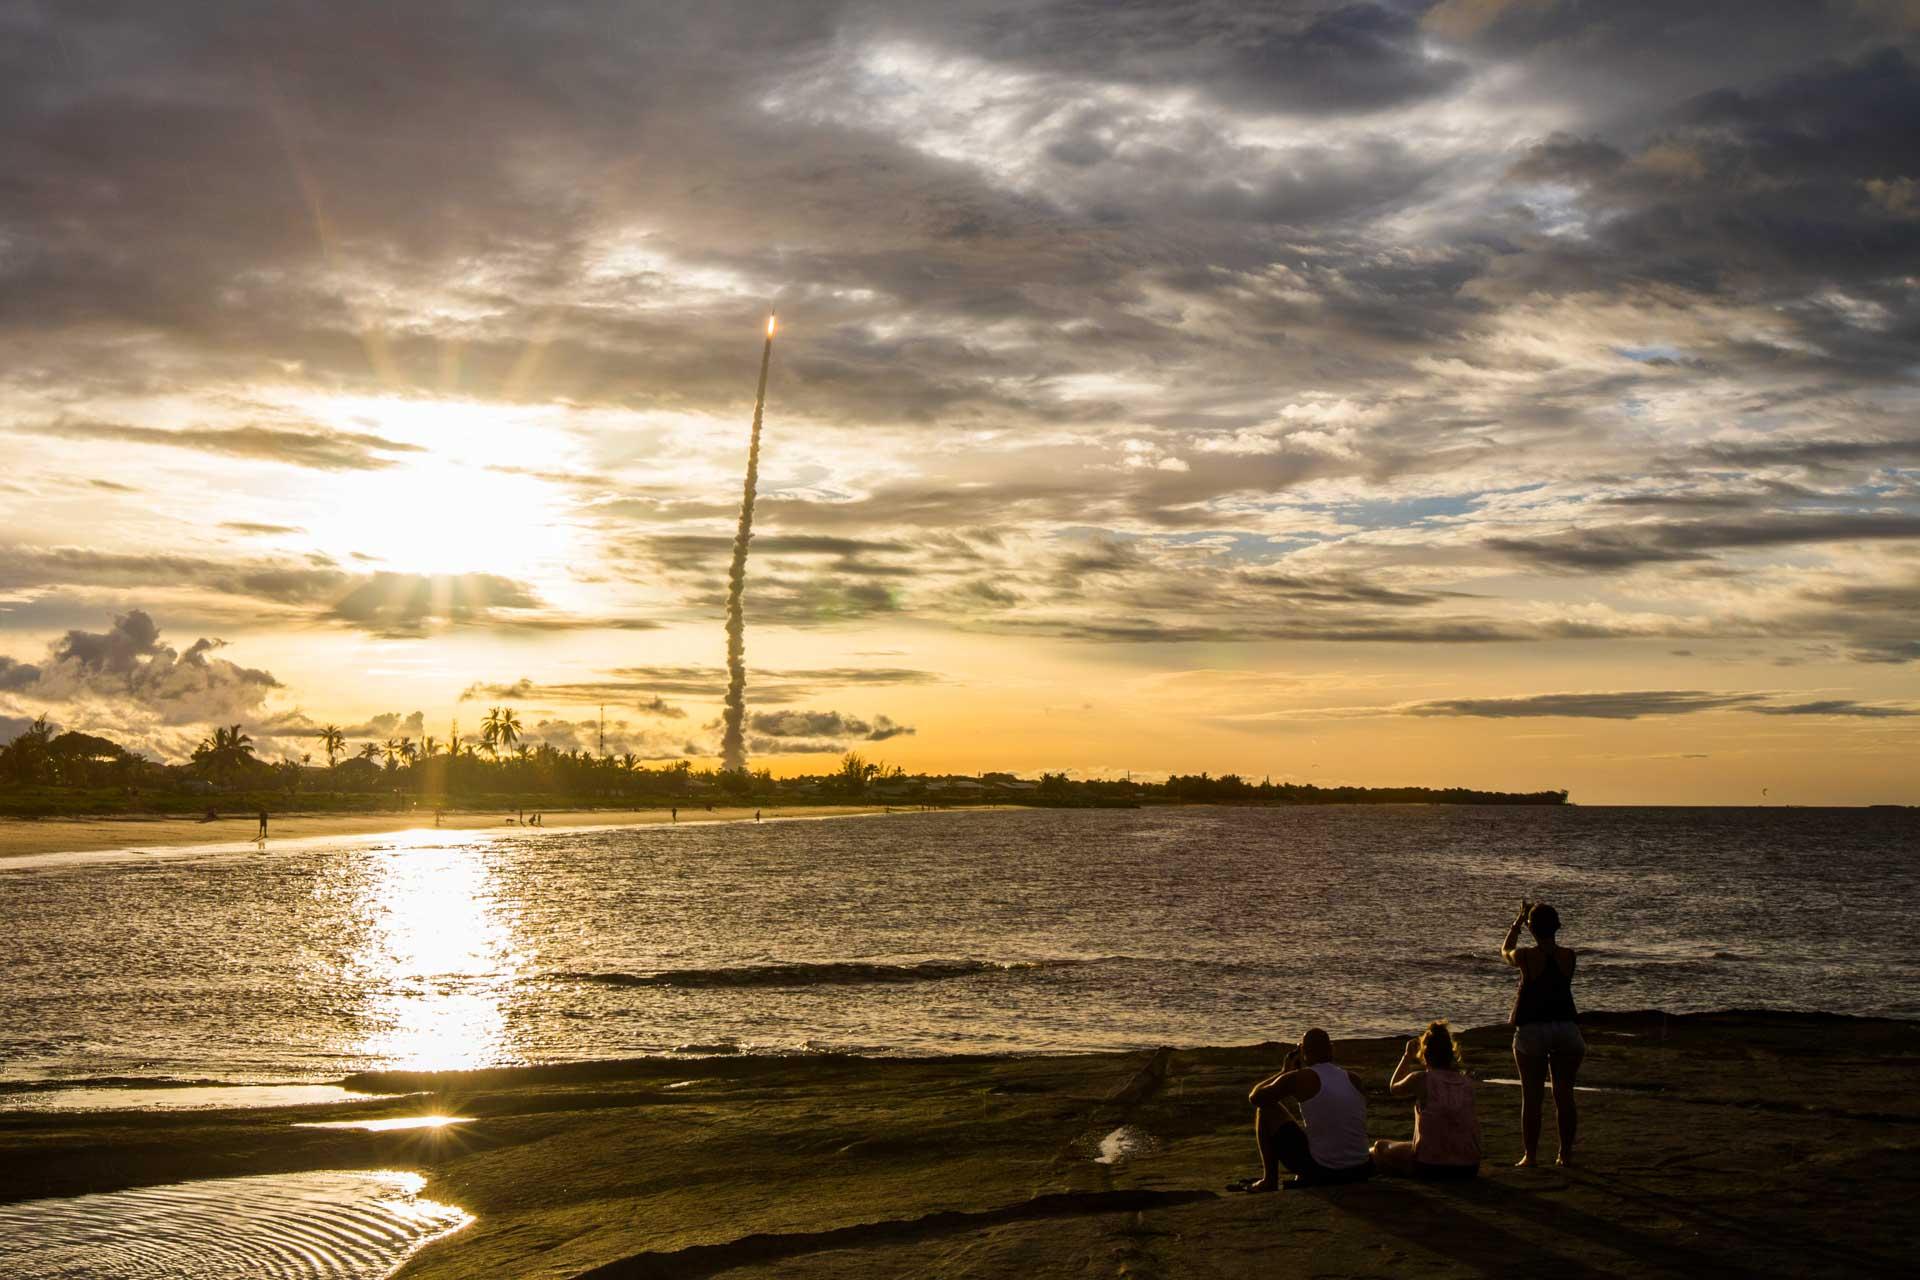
(733, 746)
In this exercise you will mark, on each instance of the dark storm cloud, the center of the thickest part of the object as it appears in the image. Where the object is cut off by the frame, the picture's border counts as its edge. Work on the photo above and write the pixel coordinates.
(319, 449)
(1590, 706)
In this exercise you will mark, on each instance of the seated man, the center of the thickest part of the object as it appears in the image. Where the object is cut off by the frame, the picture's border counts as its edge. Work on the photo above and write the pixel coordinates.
(1328, 1143)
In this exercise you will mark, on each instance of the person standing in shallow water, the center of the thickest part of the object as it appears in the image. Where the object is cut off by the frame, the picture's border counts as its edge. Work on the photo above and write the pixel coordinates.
(263, 825)
(1546, 1039)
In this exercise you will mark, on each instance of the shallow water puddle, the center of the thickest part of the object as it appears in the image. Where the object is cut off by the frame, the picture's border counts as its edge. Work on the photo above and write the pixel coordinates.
(181, 1098)
(331, 1225)
(386, 1126)
(1123, 1144)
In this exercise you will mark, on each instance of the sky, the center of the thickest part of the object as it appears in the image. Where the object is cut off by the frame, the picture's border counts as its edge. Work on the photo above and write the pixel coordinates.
(1500, 393)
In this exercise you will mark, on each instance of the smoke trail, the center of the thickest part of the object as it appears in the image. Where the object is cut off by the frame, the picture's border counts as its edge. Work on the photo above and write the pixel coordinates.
(733, 747)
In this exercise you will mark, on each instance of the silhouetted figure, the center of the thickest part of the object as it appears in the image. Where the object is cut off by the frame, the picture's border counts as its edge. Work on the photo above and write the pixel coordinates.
(436, 817)
(263, 826)
(1545, 1036)
(756, 815)
(1327, 1143)
(673, 814)
(1446, 1132)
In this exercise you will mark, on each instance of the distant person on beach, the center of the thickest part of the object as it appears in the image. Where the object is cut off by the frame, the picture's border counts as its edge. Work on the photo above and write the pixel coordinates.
(1446, 1132)
(1545, 1036)
(756, 815)
(674, 814)
(1327, 1143)
(263, 825)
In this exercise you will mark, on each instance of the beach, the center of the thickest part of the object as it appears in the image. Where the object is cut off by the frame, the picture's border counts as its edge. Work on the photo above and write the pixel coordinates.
(24, 836)
(1711, 1144)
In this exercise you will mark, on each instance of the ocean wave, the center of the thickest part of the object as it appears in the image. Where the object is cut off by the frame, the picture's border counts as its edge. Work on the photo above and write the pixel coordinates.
(812, 974)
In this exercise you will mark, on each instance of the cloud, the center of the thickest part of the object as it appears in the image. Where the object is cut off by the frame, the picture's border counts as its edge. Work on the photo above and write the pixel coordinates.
(648, 687)
(129, 665)
(16, 675)
(249, 526)
(1590, 706)
(1607, 549)
(316, 448)
(12, 727)
(831, 727)
(1838, 707)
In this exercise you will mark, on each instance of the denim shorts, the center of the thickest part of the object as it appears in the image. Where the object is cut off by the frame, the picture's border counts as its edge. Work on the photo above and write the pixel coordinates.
(1543, 1039)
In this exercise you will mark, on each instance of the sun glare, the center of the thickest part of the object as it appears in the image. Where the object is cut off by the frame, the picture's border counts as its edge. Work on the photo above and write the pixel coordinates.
(438, 956)
(462, 494)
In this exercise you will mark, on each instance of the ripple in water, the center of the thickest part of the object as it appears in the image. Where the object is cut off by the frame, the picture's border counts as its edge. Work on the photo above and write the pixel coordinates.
(331, 1225)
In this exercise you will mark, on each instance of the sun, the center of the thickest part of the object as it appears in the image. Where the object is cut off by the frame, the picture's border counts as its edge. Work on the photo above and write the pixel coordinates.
(469, 490)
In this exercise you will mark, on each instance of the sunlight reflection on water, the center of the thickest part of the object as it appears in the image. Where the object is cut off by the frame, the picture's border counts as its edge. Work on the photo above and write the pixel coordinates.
(434, 953)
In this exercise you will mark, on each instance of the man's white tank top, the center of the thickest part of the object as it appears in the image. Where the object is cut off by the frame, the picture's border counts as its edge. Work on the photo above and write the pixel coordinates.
(1336, 1120)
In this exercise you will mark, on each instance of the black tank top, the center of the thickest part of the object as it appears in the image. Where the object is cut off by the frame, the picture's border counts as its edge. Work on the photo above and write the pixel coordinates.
(1546, 996)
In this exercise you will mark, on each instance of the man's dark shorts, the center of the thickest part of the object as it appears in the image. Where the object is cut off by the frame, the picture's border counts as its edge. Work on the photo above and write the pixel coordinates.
(1297, 1156)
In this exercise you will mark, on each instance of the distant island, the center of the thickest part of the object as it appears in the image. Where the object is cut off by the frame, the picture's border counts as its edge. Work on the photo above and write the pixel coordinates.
(44, 773)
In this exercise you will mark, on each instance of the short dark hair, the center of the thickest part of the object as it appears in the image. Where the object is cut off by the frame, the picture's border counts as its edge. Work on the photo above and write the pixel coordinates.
(1543, 920)
(1316, 1045)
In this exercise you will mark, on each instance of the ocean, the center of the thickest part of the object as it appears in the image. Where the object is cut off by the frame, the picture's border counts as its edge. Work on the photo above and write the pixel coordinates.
(923, 933)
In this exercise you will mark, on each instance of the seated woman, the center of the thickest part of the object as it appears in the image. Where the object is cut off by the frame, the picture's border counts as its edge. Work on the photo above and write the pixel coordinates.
(1446, 1132)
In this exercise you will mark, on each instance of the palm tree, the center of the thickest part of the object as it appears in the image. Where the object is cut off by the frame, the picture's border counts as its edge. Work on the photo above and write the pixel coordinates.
(371, 751)
(523, 753)
(393, 750)
(429, 747)
(500, 729)
(333, 742)
(233, 742)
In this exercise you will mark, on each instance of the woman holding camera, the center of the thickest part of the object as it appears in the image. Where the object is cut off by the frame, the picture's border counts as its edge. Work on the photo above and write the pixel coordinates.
(1546, 1039)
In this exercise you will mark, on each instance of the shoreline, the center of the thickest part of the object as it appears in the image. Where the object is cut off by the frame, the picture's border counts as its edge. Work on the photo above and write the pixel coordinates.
(829, 1165)
(381, 1084)
(48, 837)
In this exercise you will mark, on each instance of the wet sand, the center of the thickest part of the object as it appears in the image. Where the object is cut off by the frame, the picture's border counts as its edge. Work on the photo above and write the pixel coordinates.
(29, 836)
(1713, 1144)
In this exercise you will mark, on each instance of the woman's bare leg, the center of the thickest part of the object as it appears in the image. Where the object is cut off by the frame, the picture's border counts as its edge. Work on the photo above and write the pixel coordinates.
(1394, 1158)
(1566, 1067)
(1533, 1091)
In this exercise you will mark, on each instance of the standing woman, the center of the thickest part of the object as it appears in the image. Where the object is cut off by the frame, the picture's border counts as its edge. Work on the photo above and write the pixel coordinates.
(1545, 1037)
